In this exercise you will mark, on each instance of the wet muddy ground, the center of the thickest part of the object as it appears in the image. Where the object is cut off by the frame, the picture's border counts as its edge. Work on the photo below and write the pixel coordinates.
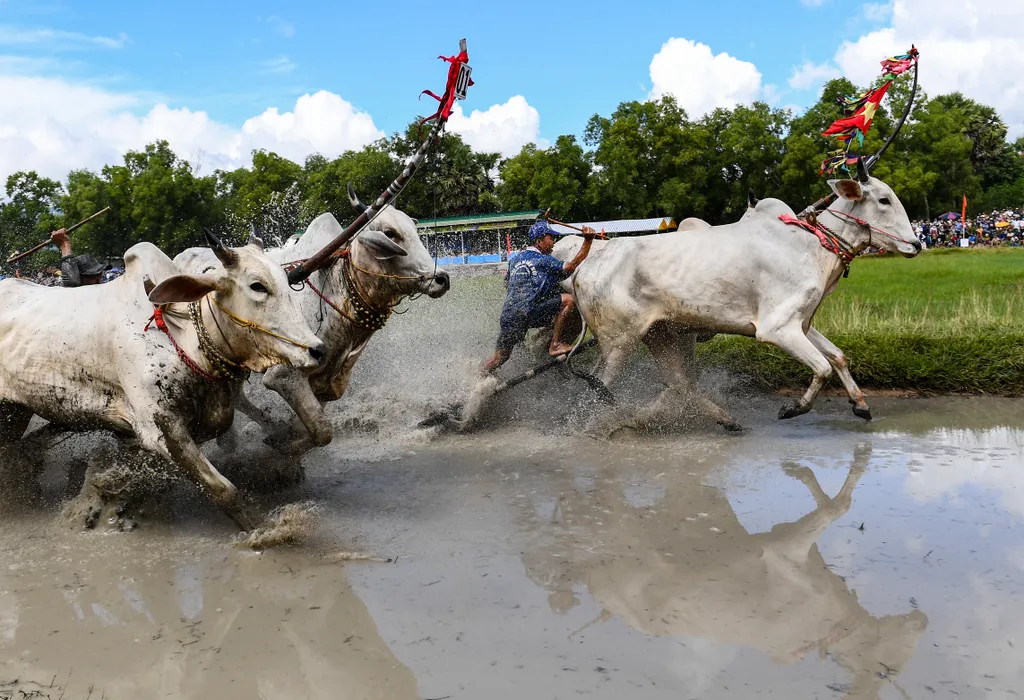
(815, 558)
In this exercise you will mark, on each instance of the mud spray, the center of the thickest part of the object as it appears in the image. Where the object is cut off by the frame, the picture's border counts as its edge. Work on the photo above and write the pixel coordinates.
(425, 360)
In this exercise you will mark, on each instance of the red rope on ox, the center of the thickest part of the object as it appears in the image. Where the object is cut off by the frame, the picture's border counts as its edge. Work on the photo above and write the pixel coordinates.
(828, 240)
(862, 222)
(158, 318)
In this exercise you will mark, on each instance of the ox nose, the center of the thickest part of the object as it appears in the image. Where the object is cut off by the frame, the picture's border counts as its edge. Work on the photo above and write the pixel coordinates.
(444, 280)
(917, 246)
(317, 353)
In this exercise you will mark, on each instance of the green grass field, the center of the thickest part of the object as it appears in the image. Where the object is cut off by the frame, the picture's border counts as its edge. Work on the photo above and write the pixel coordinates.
(947, 321)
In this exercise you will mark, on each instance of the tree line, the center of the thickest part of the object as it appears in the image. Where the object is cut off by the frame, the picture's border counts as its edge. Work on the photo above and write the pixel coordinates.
(646, 159)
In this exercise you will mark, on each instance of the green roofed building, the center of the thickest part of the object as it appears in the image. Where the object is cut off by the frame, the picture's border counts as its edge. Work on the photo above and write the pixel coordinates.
(480, 238)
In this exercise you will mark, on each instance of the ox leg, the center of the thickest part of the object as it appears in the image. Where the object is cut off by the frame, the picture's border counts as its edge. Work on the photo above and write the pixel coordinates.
(792, 340)
(839, 363)
(613, 360)
(229, 440)
(171, 440)
(294, 388)
(674, 353)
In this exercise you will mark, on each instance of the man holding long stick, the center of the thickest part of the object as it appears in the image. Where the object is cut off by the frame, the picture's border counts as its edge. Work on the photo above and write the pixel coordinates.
(534, 298)
(76, 270)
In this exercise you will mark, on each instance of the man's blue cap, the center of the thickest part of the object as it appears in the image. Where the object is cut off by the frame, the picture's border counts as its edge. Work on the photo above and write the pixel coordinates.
(540, 229)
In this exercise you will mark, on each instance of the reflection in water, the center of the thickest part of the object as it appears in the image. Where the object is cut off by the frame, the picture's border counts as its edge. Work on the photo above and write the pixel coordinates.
(129, 620)
(672, 558)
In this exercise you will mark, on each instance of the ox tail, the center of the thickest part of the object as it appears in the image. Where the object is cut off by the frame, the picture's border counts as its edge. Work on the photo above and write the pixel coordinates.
(583, 330)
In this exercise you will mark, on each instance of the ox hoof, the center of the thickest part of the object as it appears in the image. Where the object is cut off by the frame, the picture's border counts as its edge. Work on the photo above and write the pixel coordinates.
(864, 413)
(791, 411)
(732, 427)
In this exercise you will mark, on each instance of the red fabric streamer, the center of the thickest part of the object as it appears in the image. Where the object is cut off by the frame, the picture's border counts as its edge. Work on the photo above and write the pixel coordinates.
(861, 119)
(447, 100)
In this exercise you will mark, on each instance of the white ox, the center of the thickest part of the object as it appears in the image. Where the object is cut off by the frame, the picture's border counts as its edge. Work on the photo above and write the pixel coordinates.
(83, 359)
(757, 277)
(385, 263)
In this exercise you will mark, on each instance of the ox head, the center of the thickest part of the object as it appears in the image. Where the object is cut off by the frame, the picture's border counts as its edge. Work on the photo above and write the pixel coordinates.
(885, 221)
(253, 289)
(391, 245)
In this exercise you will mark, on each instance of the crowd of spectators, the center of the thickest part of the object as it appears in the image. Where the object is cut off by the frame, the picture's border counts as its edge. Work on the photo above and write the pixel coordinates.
(998, 228)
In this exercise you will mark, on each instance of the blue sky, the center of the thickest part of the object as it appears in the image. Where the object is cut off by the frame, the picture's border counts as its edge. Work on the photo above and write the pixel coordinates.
(566, 61)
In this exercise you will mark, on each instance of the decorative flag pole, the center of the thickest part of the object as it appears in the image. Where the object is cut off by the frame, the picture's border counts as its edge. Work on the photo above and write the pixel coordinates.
(459, 80)
(856, 125)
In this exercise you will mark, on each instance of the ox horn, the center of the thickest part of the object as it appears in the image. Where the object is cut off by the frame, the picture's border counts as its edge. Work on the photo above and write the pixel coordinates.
(254, 237)
(354, 199)
(226, 256)
(862, 170)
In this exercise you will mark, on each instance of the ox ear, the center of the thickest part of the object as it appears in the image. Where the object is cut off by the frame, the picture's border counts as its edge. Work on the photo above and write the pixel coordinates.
(850, 190)
(382, 247)
(181, 288)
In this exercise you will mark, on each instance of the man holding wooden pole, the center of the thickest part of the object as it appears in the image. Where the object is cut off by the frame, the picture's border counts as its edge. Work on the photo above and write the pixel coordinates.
(76, 270)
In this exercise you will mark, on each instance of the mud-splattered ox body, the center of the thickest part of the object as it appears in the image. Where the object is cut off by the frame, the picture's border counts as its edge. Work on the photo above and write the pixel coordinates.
(385, 263)
(82, 358)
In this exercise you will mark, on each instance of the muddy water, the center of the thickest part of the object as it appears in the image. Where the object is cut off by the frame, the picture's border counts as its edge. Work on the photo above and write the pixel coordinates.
(820, 557)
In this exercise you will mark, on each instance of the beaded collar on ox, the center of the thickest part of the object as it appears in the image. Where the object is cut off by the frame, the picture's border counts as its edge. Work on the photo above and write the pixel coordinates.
(224, 368)
(364, 315)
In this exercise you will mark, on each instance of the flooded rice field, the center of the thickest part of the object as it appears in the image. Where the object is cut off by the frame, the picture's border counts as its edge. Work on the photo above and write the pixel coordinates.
(815, 558)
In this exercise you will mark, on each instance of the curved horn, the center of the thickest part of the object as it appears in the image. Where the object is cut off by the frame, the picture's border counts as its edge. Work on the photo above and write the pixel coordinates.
(906, 113)
(751, 198)
(354, 199)
(254, 237)
(226, 256)
(862, 170)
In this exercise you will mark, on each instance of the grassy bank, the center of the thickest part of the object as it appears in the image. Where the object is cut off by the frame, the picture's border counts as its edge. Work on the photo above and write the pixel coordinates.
(946, 321)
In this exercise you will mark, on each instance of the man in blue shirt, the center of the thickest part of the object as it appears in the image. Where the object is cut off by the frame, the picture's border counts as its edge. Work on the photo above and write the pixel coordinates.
(534, 295)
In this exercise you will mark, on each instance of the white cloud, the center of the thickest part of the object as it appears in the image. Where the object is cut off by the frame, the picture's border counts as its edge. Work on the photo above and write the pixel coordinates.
(284, 28)
(53, 126)
(812, 74)
(971, 46)
(57, 40)
(503, 128)
(700, 80)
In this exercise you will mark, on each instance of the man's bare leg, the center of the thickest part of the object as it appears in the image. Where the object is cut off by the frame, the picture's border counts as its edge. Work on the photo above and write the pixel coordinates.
(557, 346)
(499, 358)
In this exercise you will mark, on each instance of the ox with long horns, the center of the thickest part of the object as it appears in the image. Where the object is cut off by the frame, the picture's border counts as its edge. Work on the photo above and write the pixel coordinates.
(347, 302)
(764, 276)
(101, 357)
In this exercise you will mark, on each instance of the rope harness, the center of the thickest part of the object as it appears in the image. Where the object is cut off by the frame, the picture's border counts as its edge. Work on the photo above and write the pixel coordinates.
(828, 238)
(224, 368)
(158, 319)
(366, 315)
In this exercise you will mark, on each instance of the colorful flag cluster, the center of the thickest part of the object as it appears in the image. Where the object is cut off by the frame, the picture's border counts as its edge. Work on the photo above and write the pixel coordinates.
(860, 111)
